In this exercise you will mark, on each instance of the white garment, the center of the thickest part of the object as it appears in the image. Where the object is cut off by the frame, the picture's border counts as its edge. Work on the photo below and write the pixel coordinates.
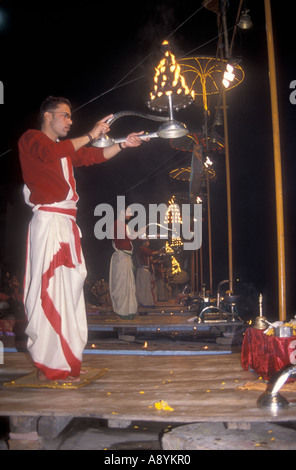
(144, 287)
(122, 283)
(53, 292)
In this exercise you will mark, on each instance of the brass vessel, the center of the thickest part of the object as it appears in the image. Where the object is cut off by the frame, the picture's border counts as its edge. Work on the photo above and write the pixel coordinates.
(260, 323)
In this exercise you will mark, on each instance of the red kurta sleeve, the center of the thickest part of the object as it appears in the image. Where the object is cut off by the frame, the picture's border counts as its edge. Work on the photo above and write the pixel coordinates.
(87, 156)
(46, 150)
(47, 166)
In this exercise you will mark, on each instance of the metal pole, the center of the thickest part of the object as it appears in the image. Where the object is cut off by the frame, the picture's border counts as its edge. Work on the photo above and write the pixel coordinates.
(227, 164)
(210, 234)
(277, 165)
(192, 272)
(209, 205)
(196, 272)
(201, 267)
(229, 219)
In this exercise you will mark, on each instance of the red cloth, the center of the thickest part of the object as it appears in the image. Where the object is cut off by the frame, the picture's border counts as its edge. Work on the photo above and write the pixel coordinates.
(119, 231)
(7, 325)
(144, 253)
(42, 170)
(266, 354)
(3, 297)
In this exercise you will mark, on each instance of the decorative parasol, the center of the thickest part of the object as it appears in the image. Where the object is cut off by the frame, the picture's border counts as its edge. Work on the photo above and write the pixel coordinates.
(183, 173)
(204, 75)
(185, 144)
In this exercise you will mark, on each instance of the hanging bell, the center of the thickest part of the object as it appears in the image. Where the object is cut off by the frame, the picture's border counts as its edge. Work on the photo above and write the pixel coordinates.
(245, 21)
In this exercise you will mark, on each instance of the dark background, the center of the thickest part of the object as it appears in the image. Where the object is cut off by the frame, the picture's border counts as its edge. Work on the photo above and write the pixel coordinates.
(102, 57)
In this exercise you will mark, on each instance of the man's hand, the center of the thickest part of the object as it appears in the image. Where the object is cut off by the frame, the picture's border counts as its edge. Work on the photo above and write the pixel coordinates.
(133, 140)
(101, 127)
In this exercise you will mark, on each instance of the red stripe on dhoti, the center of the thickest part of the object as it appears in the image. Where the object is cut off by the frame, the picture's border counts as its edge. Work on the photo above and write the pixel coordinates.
(61, 258)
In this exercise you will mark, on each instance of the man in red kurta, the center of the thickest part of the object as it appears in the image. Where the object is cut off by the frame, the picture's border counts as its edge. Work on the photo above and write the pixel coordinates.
(55, 268)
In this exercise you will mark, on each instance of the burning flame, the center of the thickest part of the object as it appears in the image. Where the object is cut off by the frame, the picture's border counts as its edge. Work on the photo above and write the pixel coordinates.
(173, 216)
(145, 345)
(176, 268)
(167, 78)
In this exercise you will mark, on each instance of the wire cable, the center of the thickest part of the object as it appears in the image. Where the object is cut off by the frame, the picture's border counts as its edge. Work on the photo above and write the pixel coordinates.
(120, 84)
(142, 61)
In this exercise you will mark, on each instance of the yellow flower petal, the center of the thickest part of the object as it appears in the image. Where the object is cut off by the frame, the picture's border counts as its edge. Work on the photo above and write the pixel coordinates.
(162, 405)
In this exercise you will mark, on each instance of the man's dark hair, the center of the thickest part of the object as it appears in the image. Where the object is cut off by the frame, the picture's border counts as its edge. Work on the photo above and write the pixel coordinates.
(51, 103)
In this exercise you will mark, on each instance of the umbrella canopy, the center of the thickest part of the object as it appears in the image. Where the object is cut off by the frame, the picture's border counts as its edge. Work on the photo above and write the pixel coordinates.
(204, 76)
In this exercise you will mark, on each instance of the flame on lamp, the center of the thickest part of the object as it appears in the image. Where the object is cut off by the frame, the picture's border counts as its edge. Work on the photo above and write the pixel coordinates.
(169, 81)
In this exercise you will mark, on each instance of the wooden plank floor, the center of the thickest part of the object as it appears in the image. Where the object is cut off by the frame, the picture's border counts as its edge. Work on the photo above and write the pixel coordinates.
(199, 389)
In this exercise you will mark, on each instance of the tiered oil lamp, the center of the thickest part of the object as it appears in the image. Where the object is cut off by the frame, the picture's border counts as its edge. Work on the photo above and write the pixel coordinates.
(169, 93)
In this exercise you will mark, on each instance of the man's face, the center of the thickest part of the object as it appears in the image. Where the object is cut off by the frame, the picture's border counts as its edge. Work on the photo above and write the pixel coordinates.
(60, 120)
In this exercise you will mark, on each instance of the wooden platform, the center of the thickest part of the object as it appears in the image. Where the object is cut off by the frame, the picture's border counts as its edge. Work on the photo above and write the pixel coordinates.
(163, 318)
(166, 318)
(198, 389)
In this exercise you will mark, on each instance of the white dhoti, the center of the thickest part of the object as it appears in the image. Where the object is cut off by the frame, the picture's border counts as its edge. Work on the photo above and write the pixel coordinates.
(144, 287)
(53, 293)
(122, 284)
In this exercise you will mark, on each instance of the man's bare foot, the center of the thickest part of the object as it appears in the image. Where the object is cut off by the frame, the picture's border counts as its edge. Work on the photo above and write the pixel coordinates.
(41, 376)
(70, 379)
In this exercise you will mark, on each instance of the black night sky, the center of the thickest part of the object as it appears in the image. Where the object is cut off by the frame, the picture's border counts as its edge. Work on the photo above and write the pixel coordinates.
(102, 57)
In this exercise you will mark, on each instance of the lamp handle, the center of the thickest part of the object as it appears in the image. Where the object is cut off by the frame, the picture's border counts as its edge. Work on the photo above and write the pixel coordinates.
(152, 135)
(151, 117)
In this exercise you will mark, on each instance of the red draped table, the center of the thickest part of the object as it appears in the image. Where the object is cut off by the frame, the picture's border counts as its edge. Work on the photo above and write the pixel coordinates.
(265, 354)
